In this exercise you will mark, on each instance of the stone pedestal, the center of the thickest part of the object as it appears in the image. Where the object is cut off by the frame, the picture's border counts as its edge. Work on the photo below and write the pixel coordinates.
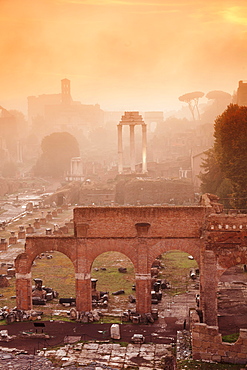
(13, 238)
(48, 232)
(49, 216)
(29, 229)
(54, 213)
(21, 233)
(36, 223)
(3, 244)
(42, 221)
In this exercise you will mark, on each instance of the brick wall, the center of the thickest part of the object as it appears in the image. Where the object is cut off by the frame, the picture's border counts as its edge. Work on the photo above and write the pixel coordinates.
(175, 222)
(207, 345)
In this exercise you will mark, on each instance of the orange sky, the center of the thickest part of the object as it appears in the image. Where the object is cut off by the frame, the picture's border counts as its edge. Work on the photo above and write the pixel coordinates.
(122, 54)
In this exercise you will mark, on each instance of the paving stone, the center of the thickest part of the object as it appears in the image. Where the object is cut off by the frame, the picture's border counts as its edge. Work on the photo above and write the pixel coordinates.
(91, 346)
(119, 350)
(61, 353)
(117, 365)
(115, 359)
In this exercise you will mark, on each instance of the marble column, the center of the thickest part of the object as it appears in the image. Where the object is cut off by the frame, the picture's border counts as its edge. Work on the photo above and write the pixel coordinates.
(132, 148)
(120, 149)
(144, 148)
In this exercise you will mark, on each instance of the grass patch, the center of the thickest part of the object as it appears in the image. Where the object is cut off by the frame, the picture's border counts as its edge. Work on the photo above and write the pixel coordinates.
(230, 338)
(57, 273)
(175, 269)
(109, 320)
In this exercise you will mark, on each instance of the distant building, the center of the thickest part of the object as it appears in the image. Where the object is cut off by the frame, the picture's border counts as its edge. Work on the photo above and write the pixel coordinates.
(8, 137)
(76, 170)
(58, 112)
(152, 119)
(196, 162)
(242, 93)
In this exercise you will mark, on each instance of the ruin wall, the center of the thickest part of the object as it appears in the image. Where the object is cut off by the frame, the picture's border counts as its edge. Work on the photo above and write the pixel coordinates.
(129, 222)
(207, 345)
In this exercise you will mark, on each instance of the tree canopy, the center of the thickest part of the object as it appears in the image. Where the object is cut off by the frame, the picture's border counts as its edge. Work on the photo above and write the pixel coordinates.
(230, 132)
(192, 99)
(225, 167)
(57, 151)
(219, 95)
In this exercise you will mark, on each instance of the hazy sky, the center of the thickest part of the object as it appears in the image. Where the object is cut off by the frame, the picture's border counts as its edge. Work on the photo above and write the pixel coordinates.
(123, 54)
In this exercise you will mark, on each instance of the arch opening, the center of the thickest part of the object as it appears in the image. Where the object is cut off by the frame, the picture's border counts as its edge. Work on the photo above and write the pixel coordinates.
(175, 286)
(53, 282)
(113, 278)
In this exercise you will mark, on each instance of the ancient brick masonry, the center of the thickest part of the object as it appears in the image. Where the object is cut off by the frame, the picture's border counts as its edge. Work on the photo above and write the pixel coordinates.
(207, 345)
(216, 241)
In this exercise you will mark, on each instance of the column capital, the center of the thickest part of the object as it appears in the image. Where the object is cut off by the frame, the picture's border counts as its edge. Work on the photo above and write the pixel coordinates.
(23, 276)
(143, 276)
(82, 276)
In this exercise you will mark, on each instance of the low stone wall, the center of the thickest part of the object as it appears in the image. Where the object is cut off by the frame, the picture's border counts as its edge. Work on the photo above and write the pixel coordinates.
(207, 345)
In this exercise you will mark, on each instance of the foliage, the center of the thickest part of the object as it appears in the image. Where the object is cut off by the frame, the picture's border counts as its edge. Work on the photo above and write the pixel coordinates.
(211, 175)
(57, 151)
(192, 100)
(230, 149)
(218, 95)
(231, 338)
(213, 180)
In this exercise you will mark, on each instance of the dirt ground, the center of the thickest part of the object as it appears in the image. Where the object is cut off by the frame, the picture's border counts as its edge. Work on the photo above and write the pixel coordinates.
(58, 330)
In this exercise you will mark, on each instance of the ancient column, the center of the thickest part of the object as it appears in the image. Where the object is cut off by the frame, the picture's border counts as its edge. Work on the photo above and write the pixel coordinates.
(120, 149)
(144, 148)
(23, 291)
(83, 276)
(132, 148)
(83, 292)
(143, 293)
(209, 286)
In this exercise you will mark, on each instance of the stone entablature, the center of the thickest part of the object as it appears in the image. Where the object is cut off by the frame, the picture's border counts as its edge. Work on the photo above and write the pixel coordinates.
(226, 222)
(207, 345)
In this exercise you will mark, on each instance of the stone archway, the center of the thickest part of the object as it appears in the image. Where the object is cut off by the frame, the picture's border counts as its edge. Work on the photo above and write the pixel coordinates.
(217, 241)
(113, 273)
(35, 246)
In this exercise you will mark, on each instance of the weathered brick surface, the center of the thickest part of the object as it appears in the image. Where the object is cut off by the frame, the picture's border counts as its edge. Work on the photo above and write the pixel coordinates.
(142, 233)
(164, 221)
(216, 350)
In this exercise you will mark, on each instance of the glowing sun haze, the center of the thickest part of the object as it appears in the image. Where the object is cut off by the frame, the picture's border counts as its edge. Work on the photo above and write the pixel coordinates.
(122, 54)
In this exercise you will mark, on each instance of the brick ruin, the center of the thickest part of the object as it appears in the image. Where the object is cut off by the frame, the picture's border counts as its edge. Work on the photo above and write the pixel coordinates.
(217, 241)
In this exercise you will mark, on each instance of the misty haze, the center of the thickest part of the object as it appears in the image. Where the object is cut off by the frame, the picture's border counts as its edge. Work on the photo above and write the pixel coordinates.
(123, 197)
